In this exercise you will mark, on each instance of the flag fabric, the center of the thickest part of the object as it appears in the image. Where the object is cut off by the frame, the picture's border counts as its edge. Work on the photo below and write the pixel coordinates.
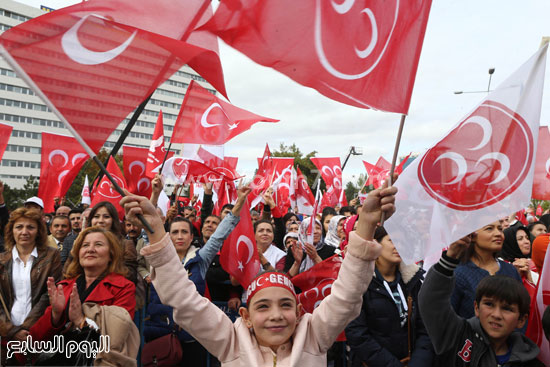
(541, 180)
(538, 213)
(331, 171)
(86, 192)
(97, 60)
(134, 165)
(62, 157)
(239, 255)
(363, 53)
(316, 283)
(104, 191)
(157, 151)
(538, 305)
(304, 196)
(379, 172)
(480, 171)
(261, 180)
(5, 133)
(206, 119)
(282, 183)
(183, 170)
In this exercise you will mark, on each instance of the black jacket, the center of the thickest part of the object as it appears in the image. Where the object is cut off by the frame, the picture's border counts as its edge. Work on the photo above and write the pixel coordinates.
(377, 338)
(462, 342)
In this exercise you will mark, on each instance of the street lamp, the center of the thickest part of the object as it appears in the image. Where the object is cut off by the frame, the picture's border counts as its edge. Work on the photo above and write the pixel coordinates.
(491, 72)
(354, 151)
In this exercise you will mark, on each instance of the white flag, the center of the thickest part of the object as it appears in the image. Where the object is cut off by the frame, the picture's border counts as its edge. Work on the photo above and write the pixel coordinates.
(86, 192)
(482, 170)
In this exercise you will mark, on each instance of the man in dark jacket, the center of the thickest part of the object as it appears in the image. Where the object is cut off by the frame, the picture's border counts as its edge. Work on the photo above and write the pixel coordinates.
(488, 339)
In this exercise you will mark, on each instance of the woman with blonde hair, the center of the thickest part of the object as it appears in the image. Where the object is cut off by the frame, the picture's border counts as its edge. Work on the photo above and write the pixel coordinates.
(24, 269)
(96, 275)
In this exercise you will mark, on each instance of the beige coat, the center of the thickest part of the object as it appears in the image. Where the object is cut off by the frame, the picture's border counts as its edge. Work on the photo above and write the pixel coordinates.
(233, 343)
(123, 334)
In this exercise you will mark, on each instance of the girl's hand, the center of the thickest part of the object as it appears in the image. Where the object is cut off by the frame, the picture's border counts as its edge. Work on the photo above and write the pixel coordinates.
(57, 300)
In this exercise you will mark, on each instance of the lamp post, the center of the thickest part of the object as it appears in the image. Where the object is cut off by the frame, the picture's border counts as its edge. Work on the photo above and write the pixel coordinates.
(354, 151)
(491, 72)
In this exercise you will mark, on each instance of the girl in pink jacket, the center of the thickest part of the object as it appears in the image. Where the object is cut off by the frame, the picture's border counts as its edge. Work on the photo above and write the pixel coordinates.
(270, 331)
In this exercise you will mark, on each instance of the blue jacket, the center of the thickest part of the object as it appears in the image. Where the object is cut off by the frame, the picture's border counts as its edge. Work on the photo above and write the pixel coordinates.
(377, 338)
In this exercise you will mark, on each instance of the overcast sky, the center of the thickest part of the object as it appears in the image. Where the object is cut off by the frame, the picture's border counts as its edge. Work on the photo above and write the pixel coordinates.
(463, 40)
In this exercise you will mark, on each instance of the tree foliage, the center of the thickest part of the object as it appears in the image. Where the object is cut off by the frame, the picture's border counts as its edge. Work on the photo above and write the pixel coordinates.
(300, 160)
(15, 198)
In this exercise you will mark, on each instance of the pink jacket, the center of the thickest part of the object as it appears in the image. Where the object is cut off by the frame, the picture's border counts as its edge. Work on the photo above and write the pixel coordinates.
(233, 343)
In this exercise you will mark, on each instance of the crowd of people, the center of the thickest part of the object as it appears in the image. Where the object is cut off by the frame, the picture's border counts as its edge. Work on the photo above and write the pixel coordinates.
(161, 297)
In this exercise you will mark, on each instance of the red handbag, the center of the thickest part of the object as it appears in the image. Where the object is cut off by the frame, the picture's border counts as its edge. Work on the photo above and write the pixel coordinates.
(163, 351)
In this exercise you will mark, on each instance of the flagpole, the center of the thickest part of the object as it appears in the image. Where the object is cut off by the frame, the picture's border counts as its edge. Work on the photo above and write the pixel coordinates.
(165, 156)
(394, 159)
(27, 79)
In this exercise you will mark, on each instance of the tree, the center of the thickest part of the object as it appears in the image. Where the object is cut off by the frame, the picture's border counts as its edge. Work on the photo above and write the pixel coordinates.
(15, 198)
(300, 160)
(352, 189)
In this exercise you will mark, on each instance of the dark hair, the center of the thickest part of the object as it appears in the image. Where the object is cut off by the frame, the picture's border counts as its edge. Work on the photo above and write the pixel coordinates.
(288, 216)
(61, 217)
(349, 209)
(76, 211)
(380, 233)
(190, 208)
(116, 228)
(257, 223)
(504, 289)
(327, 210)
(230, 206)
(532, 225)
(546, 322)
(179, 218)
(27, 213)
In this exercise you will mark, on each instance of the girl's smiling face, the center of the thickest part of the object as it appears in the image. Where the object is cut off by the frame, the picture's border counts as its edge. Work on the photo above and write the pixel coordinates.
(273, 315)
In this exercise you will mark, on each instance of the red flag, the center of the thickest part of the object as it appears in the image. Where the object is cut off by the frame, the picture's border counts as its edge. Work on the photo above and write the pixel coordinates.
(520, 215)
(538, 305)
(239, 255)
(482, 169)
(538, 213)
(316, 282)
(218, 164)
(379, 172)
(61, 159)
(206, 119)
(372, 66)
(183, 170)
(262, 179)
(97, 60)
(104, 191)
(5, 132)
(304, 196)
(541, 178)
(156, 152)
(134, 163)
(331, 171)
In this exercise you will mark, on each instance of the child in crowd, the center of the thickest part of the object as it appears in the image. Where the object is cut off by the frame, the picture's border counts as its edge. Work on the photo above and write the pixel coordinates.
(270, 331)
(490, 338)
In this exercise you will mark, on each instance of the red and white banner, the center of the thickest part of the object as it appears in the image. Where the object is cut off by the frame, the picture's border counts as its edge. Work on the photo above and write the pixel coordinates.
(262, 179)
(183, 170)
(304, 196)
(5, 133)
(316, 283)
(206, 119)
(105, 192)
(156, 153)
(134, 163)
(61, 159)
(239, 254)
(379, 172)
(86, 199)
(480, 171)
(541, 180)
(331, 171)
(539, 303)
(97, 60)
(373, 66)
(282, 183)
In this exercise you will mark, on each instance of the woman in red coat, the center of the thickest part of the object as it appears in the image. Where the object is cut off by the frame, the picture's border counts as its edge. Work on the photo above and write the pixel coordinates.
(99, 277)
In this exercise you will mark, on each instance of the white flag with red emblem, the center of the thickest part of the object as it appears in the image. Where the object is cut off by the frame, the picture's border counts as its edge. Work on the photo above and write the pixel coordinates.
(134, 163)
(105, 192)
(363, 53)
(541, 181)
(5, 133)
(97, 60)
(86, 192)
(206, 119)
(61, 159)
(480, 171)
(156, 153)
(262, 179)
(239, 255)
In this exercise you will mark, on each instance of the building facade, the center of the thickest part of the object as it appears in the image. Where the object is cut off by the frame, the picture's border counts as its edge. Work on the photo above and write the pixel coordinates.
(29, 116)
